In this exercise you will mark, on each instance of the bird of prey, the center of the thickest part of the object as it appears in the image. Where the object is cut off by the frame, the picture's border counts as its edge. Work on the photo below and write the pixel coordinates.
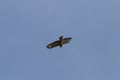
(59, 42)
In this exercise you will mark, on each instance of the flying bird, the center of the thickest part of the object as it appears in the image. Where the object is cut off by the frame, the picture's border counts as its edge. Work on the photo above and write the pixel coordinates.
(59, 42)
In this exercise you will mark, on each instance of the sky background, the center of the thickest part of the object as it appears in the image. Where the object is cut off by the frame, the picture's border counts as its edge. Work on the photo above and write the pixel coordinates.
(27, 26)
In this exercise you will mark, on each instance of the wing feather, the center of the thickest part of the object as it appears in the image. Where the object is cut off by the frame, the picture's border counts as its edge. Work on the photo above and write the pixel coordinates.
(66, 40)
(53, 44)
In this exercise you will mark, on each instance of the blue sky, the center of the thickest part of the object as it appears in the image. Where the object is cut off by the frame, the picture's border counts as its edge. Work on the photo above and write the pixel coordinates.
(27, 26)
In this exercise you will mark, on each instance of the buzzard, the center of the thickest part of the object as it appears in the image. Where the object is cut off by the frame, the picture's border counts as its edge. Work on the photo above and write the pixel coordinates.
(59, 42)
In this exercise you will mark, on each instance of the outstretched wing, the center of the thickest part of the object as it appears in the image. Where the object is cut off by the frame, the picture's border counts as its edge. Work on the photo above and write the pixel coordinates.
(66, 40)
(53, 44)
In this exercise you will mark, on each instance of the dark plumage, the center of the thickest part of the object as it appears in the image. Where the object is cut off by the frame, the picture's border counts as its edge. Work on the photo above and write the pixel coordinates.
(59, 42)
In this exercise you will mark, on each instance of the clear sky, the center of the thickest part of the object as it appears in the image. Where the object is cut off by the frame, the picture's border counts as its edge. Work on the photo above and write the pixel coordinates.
(27, 26)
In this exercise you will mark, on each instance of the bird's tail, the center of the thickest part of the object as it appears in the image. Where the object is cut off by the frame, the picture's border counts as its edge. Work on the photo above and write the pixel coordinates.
(61, 38)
